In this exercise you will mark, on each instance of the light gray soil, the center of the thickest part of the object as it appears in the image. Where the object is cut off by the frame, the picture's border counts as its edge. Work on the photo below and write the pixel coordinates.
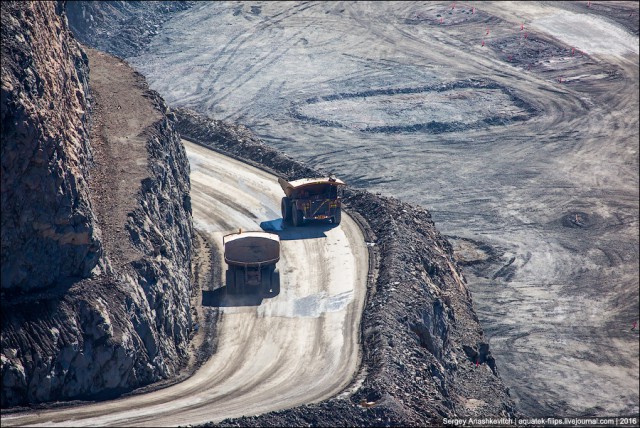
(518, 132)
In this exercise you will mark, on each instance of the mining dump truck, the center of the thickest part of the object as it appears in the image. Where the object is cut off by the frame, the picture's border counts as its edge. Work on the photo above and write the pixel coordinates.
(311, 199)
(251, 258)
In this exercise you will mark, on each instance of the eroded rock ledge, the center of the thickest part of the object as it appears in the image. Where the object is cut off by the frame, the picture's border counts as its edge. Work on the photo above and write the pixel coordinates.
(424, 353)
(96, 220)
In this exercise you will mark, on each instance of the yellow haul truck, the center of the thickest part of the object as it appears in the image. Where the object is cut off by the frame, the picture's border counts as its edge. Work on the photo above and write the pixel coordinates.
(311, 199)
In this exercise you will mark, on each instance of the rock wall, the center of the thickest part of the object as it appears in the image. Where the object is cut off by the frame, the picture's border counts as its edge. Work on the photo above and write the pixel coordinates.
(134, 22)
(86, 316)
(424, 353)
(49, 232)
(161, 228)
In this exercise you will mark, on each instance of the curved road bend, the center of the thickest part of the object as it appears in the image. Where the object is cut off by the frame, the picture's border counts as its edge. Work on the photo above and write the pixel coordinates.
(298, 347)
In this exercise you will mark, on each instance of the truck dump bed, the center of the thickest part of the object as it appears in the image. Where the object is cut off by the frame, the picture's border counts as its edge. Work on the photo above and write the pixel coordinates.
(290, 187)
(251, 248)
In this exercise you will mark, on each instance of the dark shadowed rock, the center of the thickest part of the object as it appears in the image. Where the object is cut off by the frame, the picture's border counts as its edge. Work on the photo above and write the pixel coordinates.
(49, 232)
(96, 220)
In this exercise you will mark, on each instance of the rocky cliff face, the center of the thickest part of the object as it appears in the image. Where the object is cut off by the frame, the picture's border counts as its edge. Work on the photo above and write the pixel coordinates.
(49, 231)
(96, 221)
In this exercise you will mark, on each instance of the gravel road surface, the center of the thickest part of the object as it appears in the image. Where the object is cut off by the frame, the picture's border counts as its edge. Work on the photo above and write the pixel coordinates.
(297, 347)
(515, 123)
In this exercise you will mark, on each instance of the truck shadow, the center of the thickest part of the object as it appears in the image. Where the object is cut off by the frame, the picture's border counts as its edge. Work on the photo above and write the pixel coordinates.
(223, 298)
(231, 296)
(312, 229)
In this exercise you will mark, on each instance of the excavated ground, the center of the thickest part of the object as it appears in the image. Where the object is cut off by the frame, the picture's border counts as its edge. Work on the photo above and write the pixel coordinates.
(543, 211)
(424, 353)
(504, 119)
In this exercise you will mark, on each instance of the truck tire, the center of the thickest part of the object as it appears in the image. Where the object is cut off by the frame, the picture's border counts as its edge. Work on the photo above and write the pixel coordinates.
(298, 218)
(337, 218)
(239, 280)
(275, 282)
(271, 282)
(285, 207)
(230, 280)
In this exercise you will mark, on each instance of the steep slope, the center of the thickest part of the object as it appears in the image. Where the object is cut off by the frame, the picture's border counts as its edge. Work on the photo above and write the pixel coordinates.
(134, 22)
(96, 219)
(425, 356)
(49, 230)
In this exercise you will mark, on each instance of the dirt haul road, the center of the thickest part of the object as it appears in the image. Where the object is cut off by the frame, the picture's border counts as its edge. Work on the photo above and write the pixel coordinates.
(514, 123)
(298, 347)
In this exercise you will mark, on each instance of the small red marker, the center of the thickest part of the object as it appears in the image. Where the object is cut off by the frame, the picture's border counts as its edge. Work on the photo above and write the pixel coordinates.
(483, 43)
(473, 11)
(573, 51)
(477, 363)
(521, 26)
(441, 20)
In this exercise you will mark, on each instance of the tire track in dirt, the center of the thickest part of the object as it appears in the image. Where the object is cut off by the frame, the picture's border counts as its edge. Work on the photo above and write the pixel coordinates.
(297, 347)
(507, 187)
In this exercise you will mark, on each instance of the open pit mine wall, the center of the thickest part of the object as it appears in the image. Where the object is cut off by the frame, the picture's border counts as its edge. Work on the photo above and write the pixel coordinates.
(424, 353)
(121, 28)
(49, 231)
(75, 324)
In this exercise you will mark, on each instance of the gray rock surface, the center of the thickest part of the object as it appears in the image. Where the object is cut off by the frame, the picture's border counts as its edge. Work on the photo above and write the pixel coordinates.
(525, 150)
(133, 22)
(96, 220)
(49, 232)
(425, 356)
